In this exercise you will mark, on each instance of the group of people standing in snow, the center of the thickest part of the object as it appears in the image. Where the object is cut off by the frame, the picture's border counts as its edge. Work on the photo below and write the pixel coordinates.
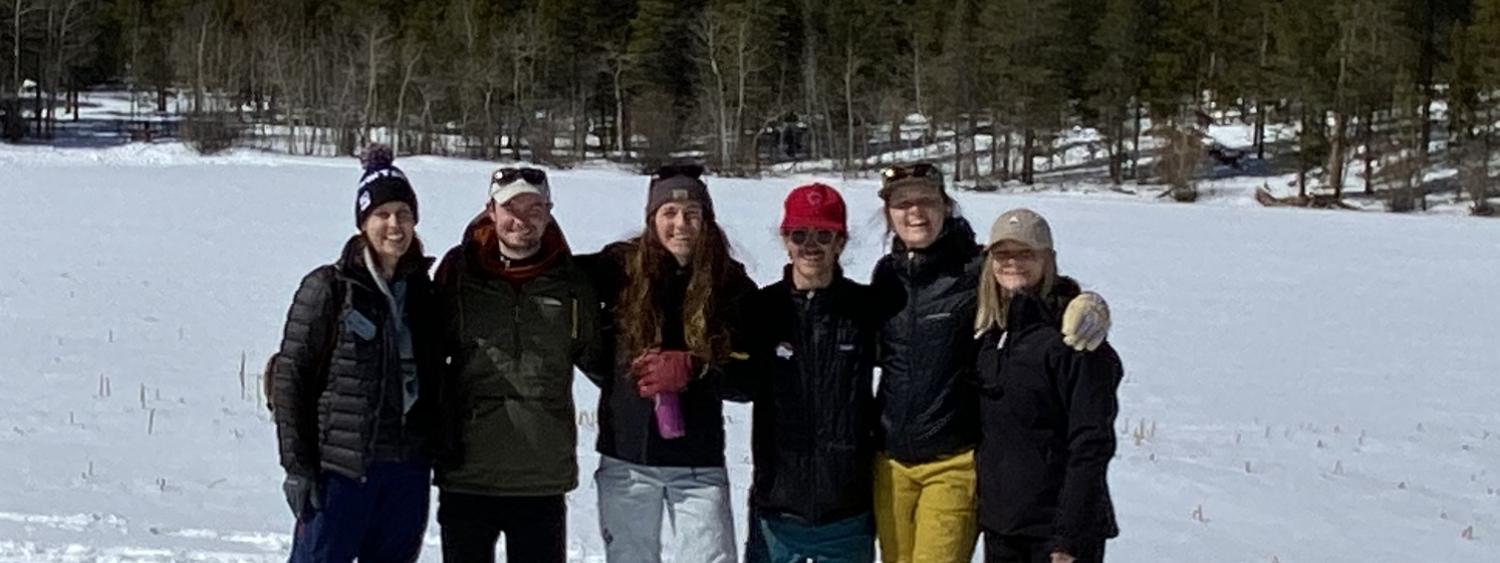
(994, 409)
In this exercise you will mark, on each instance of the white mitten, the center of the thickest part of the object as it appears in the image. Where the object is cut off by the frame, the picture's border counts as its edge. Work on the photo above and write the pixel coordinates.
(1086, 322)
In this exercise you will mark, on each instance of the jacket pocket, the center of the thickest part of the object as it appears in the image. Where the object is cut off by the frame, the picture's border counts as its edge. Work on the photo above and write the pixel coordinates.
(359, 325)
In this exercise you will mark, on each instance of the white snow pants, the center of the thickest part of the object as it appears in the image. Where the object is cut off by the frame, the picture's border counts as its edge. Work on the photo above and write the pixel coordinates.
(696, 501)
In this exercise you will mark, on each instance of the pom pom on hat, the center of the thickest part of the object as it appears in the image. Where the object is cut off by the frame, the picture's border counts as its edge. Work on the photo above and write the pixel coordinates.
(377, 156)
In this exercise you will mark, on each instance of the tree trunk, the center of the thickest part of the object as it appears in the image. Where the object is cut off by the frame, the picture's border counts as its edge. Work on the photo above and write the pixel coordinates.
(1260, 130)
(15, 39)
(40, 111)
(1005, 169)
(1116, 151)
(850, 66)
(994, 143)
(810, 75)
(973, 144)
(1336, 153)
(1340, 120)
(1428, 65)
(1302, 162)
(371, 41)
(958, 151)
(619, 111)
(721, 112)
(1369, 153)
(1135, 146)
(916, 72)
(1028, 162)
(742, 72)
(399, 127)
(198, 59)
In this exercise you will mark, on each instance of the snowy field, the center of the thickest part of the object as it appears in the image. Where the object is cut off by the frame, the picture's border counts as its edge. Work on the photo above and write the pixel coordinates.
(1302, 386)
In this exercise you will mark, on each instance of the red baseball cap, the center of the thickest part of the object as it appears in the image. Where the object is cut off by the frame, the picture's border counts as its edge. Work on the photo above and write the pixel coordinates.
(814, 206)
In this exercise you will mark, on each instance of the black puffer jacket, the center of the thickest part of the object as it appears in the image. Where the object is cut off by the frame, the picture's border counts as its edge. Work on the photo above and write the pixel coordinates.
(928, 408)
(627, 422)
(813, 433)
(1048, 416)
(336, 383)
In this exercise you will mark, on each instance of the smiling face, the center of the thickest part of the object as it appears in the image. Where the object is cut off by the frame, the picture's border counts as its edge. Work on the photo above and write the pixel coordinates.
(389, 230)
(813, 253)
(916, 214)
(678, 225)
(520, 223)
(1017, 266)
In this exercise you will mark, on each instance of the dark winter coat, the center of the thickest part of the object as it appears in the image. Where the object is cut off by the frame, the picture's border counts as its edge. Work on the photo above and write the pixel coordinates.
(337, 380)
(513, 334)
(627, 422)
(1047, 413)
(813, 432)
(928, 405)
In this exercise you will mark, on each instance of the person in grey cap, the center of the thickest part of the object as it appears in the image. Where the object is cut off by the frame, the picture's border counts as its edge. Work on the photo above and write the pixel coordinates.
(520, 314)
(1047, 410)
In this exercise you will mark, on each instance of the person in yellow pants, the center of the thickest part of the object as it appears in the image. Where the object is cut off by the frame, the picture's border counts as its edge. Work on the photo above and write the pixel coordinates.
(925, 507)
(926, 512)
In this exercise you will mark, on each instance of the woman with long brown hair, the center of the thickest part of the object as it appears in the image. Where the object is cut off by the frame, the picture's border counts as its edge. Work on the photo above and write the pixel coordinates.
(674, 297)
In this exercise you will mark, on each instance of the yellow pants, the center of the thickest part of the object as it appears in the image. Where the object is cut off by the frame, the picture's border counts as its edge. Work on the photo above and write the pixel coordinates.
(926, 513)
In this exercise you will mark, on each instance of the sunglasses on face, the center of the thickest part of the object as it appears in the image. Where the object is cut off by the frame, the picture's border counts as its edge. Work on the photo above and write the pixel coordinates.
(508, 175)
(801, 237)
(673, 170)
(1021, 255)
(920, 170)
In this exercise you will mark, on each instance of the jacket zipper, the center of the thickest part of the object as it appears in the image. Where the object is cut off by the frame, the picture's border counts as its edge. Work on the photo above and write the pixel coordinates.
(379, 395)
(810, 333)
(912, 294)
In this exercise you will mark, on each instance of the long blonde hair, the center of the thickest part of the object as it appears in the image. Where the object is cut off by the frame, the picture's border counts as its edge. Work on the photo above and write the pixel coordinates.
(994, 301)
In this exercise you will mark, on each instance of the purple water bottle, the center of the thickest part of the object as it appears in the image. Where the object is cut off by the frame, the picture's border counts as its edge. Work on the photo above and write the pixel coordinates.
(669, 416)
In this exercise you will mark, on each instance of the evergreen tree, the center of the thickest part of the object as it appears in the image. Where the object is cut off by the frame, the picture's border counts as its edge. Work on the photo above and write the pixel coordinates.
(1115, 83)
(1025, 55)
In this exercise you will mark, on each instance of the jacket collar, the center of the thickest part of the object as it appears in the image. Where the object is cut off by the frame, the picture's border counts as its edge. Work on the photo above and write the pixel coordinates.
(351, 263)
(954, 248)
(482, 250)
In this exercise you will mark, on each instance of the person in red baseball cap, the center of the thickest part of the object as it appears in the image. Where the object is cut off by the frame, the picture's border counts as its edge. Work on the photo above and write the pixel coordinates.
(813, 429)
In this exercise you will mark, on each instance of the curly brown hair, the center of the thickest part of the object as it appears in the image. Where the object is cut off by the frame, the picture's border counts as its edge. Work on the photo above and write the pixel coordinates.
(704, 330)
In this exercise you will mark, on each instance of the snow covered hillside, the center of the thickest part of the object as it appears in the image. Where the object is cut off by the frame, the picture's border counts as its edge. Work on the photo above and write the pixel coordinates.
(1302, 386)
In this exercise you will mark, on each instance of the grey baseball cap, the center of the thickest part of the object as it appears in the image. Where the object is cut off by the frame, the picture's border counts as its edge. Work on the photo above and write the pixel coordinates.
(1024, 226)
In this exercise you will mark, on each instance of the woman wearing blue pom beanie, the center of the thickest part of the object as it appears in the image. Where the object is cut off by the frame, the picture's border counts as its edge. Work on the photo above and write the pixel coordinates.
(354, 385)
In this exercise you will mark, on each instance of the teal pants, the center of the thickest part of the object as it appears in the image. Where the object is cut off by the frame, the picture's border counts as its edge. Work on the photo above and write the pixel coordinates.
(781, 540)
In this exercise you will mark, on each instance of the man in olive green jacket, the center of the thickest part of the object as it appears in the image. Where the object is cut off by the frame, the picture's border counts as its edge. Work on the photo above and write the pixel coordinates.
(520, 315)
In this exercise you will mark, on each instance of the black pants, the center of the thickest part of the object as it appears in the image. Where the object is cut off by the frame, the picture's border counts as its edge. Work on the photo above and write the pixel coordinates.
(1022, 549)
(535, 528)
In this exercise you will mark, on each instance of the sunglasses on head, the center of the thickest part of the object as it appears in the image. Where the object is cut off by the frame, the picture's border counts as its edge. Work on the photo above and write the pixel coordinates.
(800, 237)
(673, 170)
(509, 175)
(919, 170)
(534, 211)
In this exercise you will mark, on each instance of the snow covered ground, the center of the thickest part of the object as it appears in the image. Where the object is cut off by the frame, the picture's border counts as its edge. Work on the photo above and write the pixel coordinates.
(1301, 385)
